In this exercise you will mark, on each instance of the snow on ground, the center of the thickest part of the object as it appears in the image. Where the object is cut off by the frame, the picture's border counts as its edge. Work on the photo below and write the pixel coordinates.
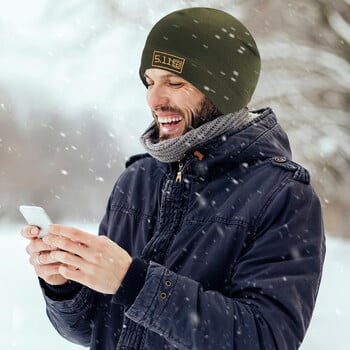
(24, 325)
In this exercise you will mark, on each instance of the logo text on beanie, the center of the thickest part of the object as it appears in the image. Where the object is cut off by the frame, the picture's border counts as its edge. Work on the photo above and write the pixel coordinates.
(168, 61)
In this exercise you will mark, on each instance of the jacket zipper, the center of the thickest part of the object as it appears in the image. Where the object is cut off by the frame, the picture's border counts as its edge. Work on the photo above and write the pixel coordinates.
(179, 172)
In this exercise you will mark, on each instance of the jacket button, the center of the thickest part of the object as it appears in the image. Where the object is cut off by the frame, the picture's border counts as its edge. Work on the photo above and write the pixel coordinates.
(280, 159)
(168, 283)
(163, 295)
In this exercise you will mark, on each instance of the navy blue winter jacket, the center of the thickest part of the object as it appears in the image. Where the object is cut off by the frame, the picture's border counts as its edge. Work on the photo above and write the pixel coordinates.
(230, 257)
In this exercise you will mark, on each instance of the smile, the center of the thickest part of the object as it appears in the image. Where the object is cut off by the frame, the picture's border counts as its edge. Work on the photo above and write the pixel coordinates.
(169, 120)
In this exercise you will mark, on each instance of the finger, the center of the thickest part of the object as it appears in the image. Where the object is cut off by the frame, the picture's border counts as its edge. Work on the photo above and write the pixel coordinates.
(67, 258)
(72, 233)
(35, 259)
(44, 258)
(30, 231)
(65, 244)
(45, 271)
(38, 245)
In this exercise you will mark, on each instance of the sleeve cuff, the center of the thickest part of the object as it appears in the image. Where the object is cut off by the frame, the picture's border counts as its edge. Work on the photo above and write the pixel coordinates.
(132, 284)
(66, 291)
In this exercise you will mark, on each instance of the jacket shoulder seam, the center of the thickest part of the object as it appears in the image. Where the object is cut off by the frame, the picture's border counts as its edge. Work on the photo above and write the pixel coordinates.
(299, 172)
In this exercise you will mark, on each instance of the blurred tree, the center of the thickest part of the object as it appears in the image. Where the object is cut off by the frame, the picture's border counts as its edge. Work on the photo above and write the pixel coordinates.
(306, 79)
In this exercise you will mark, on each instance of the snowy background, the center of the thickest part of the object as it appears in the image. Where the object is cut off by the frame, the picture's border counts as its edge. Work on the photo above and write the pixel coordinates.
(72, 108)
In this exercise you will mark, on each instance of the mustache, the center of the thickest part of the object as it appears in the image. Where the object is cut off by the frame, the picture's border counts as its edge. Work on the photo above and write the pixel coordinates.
(166, 109)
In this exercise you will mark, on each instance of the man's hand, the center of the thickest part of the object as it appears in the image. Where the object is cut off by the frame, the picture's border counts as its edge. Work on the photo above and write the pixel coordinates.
(67, 253)
(36, 248)
(94, 261)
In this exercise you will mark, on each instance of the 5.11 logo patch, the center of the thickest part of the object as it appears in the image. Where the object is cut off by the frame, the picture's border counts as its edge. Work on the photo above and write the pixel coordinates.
(168, 61)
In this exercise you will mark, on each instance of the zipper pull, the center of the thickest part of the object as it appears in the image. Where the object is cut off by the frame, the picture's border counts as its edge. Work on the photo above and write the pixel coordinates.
(179, 173)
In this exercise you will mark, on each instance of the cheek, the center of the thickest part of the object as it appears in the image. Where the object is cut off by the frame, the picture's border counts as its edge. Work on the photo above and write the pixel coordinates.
(191, 103)
(191, 110)
(188, 117)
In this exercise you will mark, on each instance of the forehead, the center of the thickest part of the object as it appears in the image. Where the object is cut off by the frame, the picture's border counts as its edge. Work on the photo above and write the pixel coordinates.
(157, 73)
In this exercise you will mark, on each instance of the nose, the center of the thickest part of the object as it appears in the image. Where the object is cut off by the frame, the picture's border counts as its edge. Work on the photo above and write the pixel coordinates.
(157, 96)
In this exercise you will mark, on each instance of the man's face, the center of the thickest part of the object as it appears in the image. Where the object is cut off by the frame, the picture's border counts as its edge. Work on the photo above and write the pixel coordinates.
(174, 102)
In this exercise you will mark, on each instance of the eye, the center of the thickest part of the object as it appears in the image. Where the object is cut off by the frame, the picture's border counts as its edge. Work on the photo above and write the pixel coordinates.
(149, 83)
(176, 84)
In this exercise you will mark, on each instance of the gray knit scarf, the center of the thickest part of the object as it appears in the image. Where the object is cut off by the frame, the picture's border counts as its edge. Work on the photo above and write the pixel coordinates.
(173, 150)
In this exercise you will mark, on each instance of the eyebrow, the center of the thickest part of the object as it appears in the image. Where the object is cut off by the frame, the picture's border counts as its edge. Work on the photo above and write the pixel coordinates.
(169, 75)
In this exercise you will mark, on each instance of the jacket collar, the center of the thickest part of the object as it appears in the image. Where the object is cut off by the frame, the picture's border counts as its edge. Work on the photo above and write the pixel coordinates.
(258, 140)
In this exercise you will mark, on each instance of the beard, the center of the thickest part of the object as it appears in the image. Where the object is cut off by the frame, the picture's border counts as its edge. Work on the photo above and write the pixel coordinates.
(205, 112)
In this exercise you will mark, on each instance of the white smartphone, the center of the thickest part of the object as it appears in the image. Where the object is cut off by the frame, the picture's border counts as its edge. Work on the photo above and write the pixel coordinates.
(36, 216)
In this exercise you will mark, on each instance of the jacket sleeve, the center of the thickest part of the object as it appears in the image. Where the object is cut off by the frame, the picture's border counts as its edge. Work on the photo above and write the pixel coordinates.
(272, 289)
(70, 315)
(70, 307)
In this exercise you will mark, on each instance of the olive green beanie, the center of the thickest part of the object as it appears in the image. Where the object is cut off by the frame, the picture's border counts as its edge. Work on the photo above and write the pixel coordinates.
(209, 48)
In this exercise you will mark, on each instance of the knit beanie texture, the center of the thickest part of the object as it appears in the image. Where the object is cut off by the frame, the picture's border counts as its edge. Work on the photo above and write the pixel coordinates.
(209, 48)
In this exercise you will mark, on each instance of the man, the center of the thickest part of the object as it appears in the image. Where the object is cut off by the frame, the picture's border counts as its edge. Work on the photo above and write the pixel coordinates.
(214, 238)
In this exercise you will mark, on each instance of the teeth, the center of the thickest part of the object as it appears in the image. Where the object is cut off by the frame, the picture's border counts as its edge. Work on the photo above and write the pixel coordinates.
(165, 120)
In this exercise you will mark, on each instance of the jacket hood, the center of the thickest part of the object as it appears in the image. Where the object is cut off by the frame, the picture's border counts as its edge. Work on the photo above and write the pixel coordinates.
(258, 140)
